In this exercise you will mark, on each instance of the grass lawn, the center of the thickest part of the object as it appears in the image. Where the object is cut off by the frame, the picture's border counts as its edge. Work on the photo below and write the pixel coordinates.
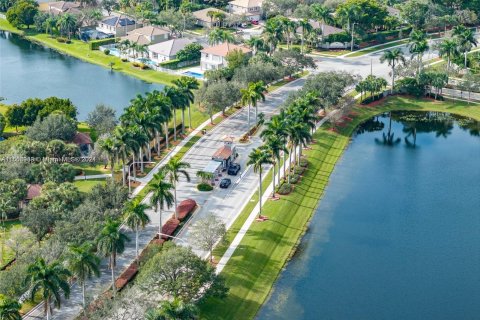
(330, 53)
(86, 186)
(9, 225)
(373, 49)
(266, 247)
(82, 51)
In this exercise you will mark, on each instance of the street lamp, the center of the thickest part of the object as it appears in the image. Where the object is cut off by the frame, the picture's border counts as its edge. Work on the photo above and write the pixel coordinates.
(160, 235)
(133, 163)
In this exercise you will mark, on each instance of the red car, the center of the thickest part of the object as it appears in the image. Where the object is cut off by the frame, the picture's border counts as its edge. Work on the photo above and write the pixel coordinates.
(255, 22)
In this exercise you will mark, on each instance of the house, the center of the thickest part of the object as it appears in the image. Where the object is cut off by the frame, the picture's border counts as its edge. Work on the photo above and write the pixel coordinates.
(205, 20)
(147, 35)
(167, 50)
(60, 7)
(225, 155)
(252, 9)
(33, 191)
(214, 57)
(327, 29)
(394, 12)
(119, 26)
(84, 142)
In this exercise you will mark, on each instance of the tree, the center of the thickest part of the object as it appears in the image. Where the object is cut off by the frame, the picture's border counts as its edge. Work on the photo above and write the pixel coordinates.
(14, 116)
(293, 61)
(173, 310)
(415, 13)
(218, 96)
(466, 40)
(109, 5)
(20, 240)
(136, 218)
(50, 280)
(22, 12)
(111, 242)
(191, 52)
(186, 85)
(83, 264)
(251, 95)
(256, 44)
(306, 28)
(172, 170)
(274, 145)
(9, 309)
(393, 57)
(162, 198)
(206, 232)
(110, 146)
(321, 14)
(168, 272)
(54, 126)
(3, 124)
(257, 158)
(470, 82)
(217, 36)
(102, 119)
(448, 49)
(236, 59)
(67, 23)
(39, 221)
(418, 45)
(348, 15)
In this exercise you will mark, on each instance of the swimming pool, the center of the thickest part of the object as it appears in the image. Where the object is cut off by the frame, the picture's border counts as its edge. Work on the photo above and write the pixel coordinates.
(193, 74)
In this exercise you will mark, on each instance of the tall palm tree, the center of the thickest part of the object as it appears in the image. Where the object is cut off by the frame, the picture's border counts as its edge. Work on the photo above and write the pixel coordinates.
(177, 100)
(160, 113)
(211, 15)
(277, 127)
(288, 26)
(251, 95)
(173, 310)
(217, 36)
(50, 280)
(257, 158)
(306, 28)
(67, 23)
(323, 15)
(172, 170)
(255, 43)
(466, 40)
(298, 135)
(136, 218)
(162, 197)
(393, 57)
(186, 85)
(127, 144)
(272, 33)
(349, 15)
(274, 146)
(110, 242)
(83, 264)
(10, 309)
(418, 45)
(111, 146)
(448, 48)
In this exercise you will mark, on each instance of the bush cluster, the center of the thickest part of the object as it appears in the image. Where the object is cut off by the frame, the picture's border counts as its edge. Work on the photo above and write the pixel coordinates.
(204, 187)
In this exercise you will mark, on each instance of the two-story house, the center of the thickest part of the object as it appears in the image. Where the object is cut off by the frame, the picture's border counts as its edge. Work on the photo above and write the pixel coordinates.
(118, 26)
(215, 57)
(252, 9)
(60, 7)
(165, 51)
(147, 35)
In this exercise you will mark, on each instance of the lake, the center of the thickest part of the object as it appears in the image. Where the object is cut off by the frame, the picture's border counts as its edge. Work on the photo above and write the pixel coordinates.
(397, 234)
(29, 70)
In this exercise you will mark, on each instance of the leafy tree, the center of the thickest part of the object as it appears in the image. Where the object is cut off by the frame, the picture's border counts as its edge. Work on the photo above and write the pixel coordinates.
(415, 12)
(293, 61)
(257, 71)
(206, 232)
(217, 96)
(110, 242)
(20, 240)
(83, 264)
(162, 196)
(9, 309)
(236, 59)
(54, 126)
(102, 119)
(136, 218)
(5, 5)
(14, 116)
(191, 52)
(173, 310)
(22, 12)
(50, 280)
(109, 5)
(168, 272)
(322, 14)
(39, 221)
(3, 123)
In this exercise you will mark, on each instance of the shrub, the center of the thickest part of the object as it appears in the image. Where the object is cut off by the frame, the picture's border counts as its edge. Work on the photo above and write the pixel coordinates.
(143, 66)
(285, 188)
(339, 37)
(95, 45)
(136, 64)
(124, 59)
(106, 51)
(204, 187)
(62, 39)
(295, 178)
(298, 170)
(303, 162)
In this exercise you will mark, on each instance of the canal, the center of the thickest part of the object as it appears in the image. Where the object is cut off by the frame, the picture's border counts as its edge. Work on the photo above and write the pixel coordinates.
(396, 235)
(29, 70)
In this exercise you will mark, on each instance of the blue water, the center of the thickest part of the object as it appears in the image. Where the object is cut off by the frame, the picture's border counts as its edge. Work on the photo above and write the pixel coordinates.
(193, 74)
(397, 235)
(29, 70)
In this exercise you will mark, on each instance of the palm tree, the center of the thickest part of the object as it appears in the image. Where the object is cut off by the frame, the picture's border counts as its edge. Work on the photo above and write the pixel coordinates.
(10, 309)
(257, 158)
(50, 25)
(110, 145)
(251, 95)
(218, 35)
(298, 135)
(393, 57)
(306, 28)
(289, 28)
(272, 33)
(186, 85)
(418, 45)
(177, 100)
(277, 127)
(50, 280)
(322, 14)
(466, 40)
(67, 23)
(255, 43)
(274, 146)
(136, 218)
(348, 15)
(173, 310)
(110, 242)
(160, 113)
(211, 15)
(83, 264)
(162, 197)
(172, 170)
(127, 144)
(448, 48)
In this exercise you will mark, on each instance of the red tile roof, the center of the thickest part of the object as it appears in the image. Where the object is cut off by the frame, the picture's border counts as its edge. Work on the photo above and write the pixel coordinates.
(82, 138)
(33, 191)
(223, 153)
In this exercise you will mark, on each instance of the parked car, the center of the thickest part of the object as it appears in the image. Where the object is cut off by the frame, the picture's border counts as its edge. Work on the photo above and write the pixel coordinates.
(255, 22)
(225, 183)
(233, 169)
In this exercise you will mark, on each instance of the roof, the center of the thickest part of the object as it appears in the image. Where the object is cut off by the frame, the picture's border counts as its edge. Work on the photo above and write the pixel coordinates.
(327, 29)
(116, 20)
(137, 38)
(202, 14)
(393, 11)
(33, 191)
(212, 166)
(170, 48)
(60, 7)
(224, 152)
(246, 3)
(224, 49)
(150, 31)
(82, 138)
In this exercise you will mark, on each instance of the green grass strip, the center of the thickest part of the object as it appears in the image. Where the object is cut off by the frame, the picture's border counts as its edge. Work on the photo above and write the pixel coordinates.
(373, 49)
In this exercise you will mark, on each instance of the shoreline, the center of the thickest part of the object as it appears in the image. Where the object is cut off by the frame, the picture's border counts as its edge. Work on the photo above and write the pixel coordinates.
(245, 302)
(80, 50)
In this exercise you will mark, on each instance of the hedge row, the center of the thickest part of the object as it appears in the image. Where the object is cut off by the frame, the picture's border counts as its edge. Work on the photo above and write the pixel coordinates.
(95, 44)
(176, 64)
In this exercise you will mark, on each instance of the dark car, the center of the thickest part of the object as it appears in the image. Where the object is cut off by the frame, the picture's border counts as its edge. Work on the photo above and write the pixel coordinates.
(225, 183)
(233, 169)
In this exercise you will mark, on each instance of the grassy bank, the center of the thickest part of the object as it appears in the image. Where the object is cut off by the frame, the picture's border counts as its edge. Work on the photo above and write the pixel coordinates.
(81, 50)
(373, 49)
(267, 246)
